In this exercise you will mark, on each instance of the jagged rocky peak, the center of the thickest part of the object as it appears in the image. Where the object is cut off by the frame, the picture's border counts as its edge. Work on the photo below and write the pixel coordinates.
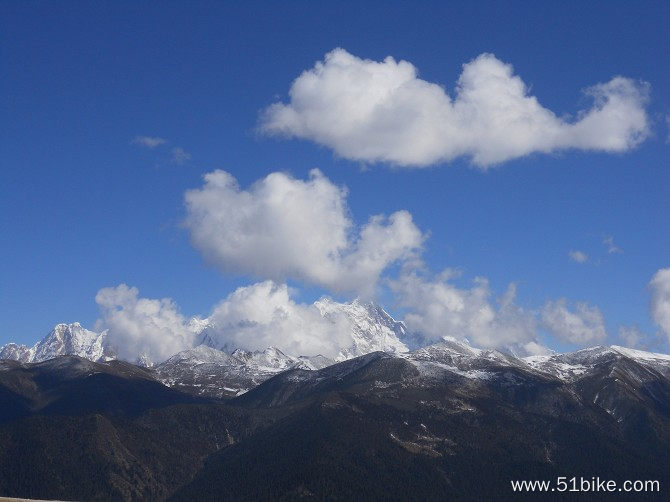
(70, 339)
(63, 339)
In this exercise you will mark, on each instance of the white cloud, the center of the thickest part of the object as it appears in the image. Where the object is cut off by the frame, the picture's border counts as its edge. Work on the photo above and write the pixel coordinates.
(180, 156)
(612, 248)
(437, 308)
(148, 141)
(660, 299)
(263, 315)
(578, 256)
(584, 326)
(141, 326)
(381, 111)
(282, 227)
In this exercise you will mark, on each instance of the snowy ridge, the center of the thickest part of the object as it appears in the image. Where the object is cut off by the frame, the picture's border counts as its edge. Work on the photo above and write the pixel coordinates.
(458, 357)
(573, 365)
(208, 371)
(641, 354)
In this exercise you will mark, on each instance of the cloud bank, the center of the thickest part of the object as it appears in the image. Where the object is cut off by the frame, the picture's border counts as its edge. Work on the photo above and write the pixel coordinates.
(282, 227)
(264, 314)
(583, 326)
(382, 112)
(252, 317)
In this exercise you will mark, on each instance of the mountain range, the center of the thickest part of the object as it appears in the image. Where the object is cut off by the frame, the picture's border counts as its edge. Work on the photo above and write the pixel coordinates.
(445, 421)
(201, 369)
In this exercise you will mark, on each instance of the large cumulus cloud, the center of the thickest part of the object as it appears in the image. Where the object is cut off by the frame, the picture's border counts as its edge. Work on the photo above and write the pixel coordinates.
(262, 315)
(382, 111)
(286, 228)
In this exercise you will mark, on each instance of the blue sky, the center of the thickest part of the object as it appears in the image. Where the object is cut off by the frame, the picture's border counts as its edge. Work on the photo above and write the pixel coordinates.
(86, 207)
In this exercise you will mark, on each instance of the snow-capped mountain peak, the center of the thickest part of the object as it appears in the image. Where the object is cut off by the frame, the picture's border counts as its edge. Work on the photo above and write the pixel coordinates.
(372, 328)
(63, 339)
(70, 339)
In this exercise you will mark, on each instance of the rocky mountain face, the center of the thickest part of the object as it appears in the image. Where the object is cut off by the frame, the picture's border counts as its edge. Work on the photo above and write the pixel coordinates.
(446, 421)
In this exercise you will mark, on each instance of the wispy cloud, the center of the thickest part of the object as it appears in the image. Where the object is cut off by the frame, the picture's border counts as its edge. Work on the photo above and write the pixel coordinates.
(583, 326)
(438, 308)
(148, 141)
(612, 248)
(382, 112)
(578, 256)
(180, 156)
(631, 336)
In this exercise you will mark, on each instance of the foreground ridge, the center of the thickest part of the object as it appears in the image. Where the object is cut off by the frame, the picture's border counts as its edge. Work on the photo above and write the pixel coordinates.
(436, 422)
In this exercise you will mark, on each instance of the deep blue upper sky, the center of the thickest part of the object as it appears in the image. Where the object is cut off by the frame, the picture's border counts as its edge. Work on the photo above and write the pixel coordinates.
(83, 207)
